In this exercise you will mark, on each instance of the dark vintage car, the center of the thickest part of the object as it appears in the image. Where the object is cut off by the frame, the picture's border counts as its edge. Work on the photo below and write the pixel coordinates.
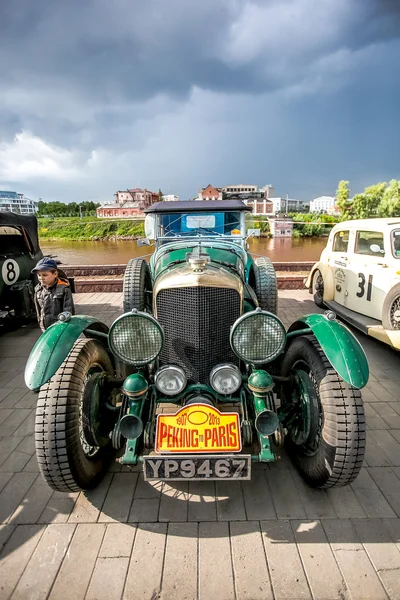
(200, 333)
(19, 253)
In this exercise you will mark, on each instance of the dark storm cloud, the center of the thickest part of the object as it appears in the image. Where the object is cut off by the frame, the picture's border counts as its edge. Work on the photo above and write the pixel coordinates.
(176, 92)
(133, 49)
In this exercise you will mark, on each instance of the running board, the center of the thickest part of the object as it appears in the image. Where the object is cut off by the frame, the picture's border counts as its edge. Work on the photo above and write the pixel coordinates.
(361, 322)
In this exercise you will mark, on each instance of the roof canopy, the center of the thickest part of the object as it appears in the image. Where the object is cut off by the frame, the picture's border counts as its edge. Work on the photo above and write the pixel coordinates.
(28, 222)
(185, 206)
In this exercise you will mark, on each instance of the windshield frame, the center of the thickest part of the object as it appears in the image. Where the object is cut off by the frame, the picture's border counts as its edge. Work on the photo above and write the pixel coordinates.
(203, 235)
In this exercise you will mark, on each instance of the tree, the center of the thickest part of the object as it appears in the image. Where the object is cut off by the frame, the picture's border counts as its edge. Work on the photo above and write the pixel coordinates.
(366, 205)
(342, 200)
(390, 204)
(160, 194)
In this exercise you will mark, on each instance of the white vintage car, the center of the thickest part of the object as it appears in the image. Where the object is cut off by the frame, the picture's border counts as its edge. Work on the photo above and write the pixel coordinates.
(358, 276)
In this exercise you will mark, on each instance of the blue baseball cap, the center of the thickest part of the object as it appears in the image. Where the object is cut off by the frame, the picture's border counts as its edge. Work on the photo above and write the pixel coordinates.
(45, 264)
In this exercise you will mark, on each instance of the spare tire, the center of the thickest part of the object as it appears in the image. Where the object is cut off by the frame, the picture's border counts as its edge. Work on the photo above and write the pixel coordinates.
(137, 286)
(266, 286)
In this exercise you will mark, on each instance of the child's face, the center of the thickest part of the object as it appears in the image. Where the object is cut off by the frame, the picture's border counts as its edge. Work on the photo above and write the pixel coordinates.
(47, 278)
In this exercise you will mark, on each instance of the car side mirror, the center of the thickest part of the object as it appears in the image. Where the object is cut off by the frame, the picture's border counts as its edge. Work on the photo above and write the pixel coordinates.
(375, 248)
(144, 242)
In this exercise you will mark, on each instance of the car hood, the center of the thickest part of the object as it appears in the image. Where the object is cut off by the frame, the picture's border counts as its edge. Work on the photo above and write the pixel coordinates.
(225, 255)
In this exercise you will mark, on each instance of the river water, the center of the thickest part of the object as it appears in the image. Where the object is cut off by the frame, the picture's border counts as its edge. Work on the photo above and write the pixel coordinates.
(119, 252)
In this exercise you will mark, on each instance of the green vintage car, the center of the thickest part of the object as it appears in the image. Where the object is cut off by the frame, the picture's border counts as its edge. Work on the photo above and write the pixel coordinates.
(198, 379)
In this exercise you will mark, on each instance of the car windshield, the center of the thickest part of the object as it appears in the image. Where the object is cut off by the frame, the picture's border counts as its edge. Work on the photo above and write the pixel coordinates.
(208, 224)
(396, 243)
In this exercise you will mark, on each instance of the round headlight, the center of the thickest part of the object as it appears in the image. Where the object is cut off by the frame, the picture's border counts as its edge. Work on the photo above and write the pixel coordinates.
(258, 337)
(170, 380)
(225, 379)
(136, 338)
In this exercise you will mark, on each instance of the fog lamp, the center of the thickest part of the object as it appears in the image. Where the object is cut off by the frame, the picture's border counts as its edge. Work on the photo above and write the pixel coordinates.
(225, 379)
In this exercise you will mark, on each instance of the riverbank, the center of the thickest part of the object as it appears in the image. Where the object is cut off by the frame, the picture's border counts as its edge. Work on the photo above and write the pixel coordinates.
(90, 229)
(94, 229)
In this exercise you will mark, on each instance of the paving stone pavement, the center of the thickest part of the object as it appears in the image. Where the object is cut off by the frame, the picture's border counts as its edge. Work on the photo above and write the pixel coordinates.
(272, 537)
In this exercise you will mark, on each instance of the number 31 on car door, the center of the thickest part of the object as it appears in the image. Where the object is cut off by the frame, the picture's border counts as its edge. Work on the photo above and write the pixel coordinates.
(367, 289)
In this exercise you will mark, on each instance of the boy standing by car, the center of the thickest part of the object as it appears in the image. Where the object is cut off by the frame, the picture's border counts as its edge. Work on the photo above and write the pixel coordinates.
(52, 294)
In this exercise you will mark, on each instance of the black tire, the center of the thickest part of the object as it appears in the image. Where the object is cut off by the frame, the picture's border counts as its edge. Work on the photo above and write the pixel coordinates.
(333, 453)
(137, 286)
(62, 460)
(391, 309)
(266, 286)
(318, 288)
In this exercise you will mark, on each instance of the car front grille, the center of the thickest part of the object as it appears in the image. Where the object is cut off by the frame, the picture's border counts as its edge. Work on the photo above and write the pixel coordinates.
(196, 323)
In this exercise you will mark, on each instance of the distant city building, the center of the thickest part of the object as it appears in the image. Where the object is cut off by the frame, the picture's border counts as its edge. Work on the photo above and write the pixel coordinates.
(269, 190)
(241, 188)
(17, 203)
(170, 198)
(333, 211)
(129, 203)
(321, 204)
(260, 204)
(281, 227)
(287, 205)
(145, 198)
(210, 193)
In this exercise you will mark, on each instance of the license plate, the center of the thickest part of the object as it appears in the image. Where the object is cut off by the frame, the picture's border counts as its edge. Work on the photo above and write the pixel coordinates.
(198, 468)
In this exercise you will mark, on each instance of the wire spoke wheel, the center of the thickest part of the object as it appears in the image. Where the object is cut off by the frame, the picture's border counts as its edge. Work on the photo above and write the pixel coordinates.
(305, 421)
(395, 314)
(89, 449)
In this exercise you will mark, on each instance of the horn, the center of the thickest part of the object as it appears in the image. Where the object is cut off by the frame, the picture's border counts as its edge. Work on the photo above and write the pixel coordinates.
(267, 422)
(131, 427)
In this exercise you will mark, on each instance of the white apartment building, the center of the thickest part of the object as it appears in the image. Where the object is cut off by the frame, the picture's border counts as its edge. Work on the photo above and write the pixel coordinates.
(17, 203)
(170, 198)
(321, 204)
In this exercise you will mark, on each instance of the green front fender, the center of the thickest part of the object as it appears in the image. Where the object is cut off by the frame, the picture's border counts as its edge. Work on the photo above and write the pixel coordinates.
(54, 345)
(342, 349)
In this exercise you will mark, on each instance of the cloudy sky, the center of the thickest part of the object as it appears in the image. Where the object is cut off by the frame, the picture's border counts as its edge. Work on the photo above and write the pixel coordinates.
(103, 95)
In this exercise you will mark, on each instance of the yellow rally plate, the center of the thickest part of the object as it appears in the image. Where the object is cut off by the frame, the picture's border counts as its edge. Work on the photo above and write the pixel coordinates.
(198, 428)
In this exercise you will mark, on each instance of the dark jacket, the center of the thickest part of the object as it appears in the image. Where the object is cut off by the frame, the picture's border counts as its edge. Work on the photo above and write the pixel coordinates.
(50, 302)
